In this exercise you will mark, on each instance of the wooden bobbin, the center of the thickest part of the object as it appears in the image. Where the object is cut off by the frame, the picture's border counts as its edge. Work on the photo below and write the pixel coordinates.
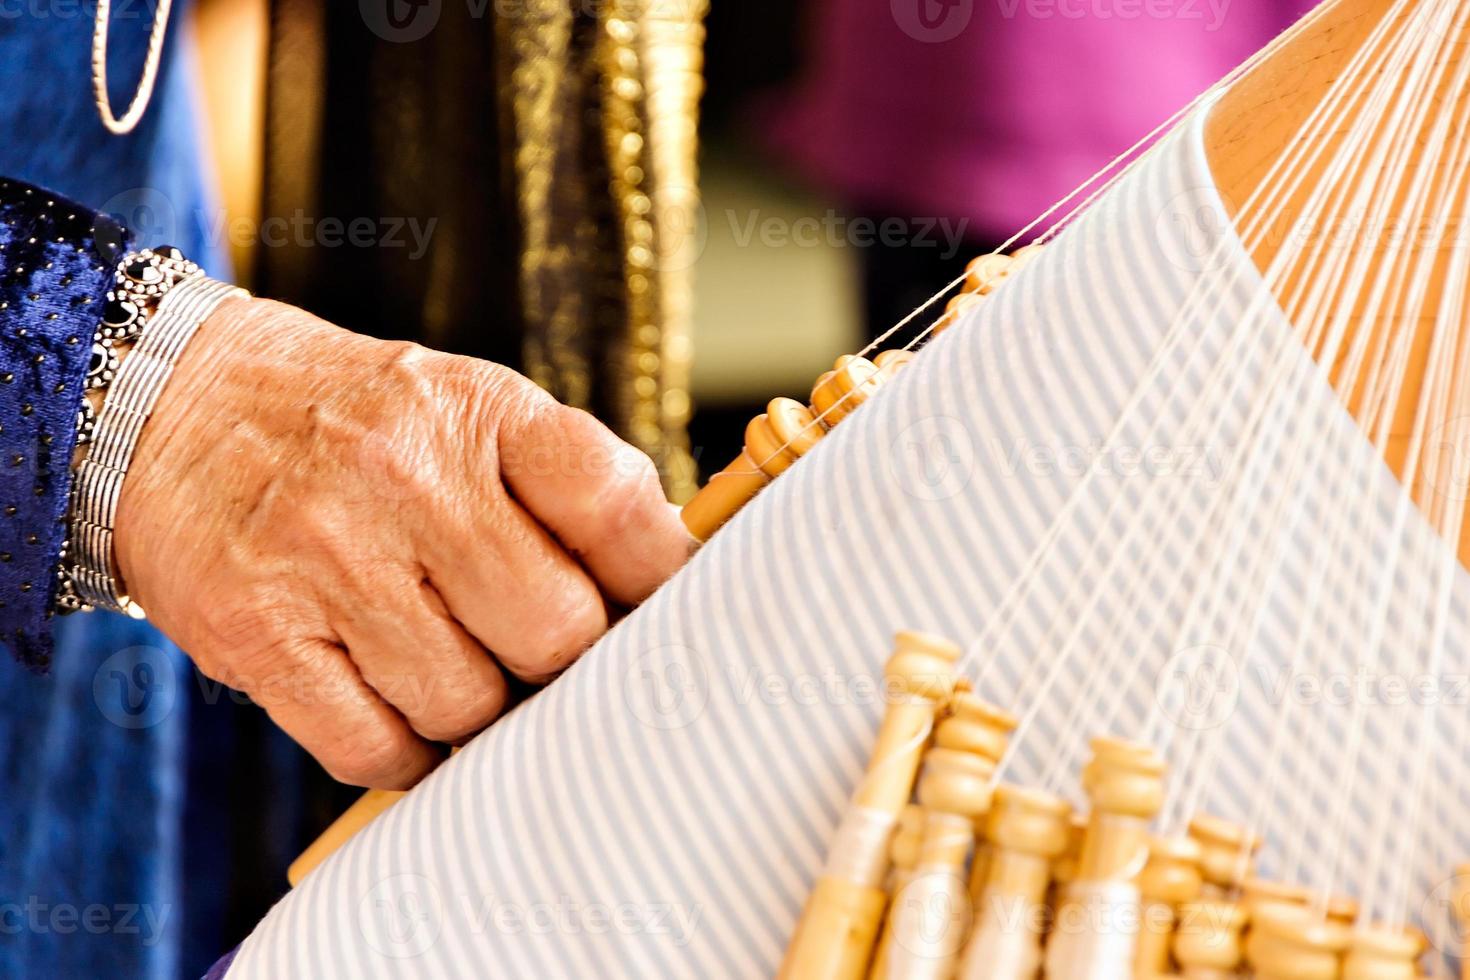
(1064, 869)
(770, 446)
(932, 916)
(1288, 942)
(1259, 893)
(992, 726)
(1422, 938)
(1382, 954)
(842, 390)
(835, 936)
(369, 806)
(1124, 782)
(890, 362)
(1227, 854)
(785, 433)
(773, 441)
(957, 307)
(836, 395)
(920, 679)
(1171, 878)
(1026, 831)
(975, 725)
(985, 274)
(972, 726)
(1022, 257)
(1342, 909)
(363, 812)
(1207, 940)
(904, 853)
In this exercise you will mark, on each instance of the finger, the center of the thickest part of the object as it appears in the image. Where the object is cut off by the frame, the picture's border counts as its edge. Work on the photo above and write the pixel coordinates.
(598, 495)
(413, 652)
(314, 692)
(516, 591)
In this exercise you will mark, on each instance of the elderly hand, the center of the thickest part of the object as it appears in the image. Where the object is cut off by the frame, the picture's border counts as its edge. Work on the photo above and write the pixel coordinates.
(363, 535)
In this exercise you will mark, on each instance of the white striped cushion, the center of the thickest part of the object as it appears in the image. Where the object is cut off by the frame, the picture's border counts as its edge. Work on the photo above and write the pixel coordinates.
(663, 809)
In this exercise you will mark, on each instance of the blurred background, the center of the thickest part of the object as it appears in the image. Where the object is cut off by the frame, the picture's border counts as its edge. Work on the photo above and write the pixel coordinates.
(852, 155)
(666, 211)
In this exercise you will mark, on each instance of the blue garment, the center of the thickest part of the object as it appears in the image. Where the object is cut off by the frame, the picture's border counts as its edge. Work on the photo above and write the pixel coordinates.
(116, 773)
(58, 260)
(92, 797)
(151, 180)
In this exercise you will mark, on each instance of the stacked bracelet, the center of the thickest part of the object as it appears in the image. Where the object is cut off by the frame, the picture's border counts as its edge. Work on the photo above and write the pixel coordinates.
(157, 304)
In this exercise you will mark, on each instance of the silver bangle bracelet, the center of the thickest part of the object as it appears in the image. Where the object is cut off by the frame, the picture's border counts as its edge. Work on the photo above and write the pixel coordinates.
(161, 299)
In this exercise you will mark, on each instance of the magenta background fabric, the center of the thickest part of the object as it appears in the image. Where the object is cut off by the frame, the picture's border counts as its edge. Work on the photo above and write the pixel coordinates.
(991, 110)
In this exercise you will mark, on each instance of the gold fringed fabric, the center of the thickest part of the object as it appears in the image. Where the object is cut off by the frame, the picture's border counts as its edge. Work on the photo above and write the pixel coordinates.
(608, 213)
(543, 49)
(655, 79)
(546, 151)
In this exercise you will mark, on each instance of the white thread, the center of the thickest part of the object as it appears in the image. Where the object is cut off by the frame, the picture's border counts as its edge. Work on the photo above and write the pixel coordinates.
(1004, 945)
(1100, 947)
(930, 924)
(859, 851)
(1207, 743)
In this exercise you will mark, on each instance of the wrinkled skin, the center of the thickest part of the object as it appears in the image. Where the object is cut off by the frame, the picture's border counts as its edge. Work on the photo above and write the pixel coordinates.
(364, 536)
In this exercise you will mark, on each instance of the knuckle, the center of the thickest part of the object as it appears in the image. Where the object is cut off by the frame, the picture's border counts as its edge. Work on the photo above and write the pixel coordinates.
(521, 421)
(600, 456)
(471, 710)
(339, 545)
(629, 497)
(408, 365)
(635, 473)
(371, 758)
(492, 389)
(393, 465)
(246, 639)
(615, 482)
(314, 535)
(574, 620)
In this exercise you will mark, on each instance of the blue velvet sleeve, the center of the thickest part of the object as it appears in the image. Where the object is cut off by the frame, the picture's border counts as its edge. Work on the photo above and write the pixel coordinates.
(56, 261)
